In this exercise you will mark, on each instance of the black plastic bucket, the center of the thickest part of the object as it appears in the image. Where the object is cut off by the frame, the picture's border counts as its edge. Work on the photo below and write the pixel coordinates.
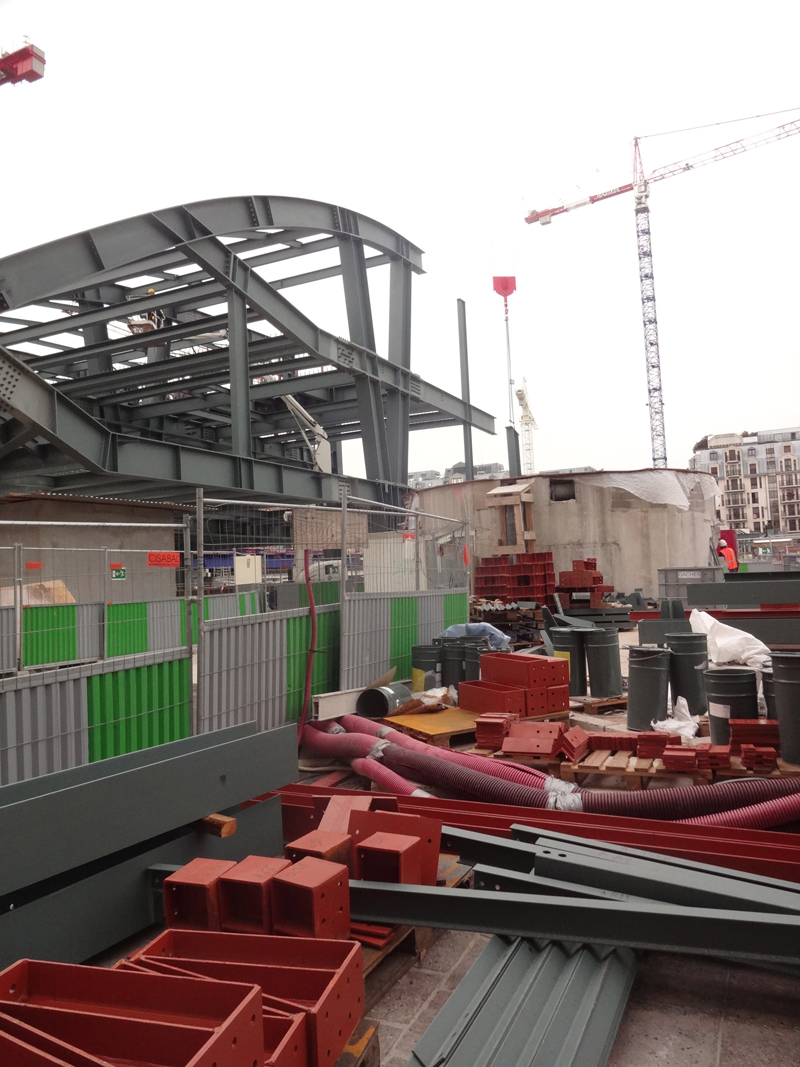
(689, 660)
(602, 656)
(648, 685)
(786, 679)
(568, 644)
(424, 667)
(732, 694)
(768, 685)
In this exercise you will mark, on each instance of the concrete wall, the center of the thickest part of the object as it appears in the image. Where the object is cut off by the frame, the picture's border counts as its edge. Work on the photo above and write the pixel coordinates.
(630, 537)
(74, 554)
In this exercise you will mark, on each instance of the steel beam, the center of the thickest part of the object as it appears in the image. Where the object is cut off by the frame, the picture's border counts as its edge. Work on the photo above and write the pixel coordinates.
(47, 835)
(748, 937)
(79, 261)
(398, 403)
(36, 404)
(743, 594)
(624, 871)
(239, 368)
(463, 354)
(80, 916)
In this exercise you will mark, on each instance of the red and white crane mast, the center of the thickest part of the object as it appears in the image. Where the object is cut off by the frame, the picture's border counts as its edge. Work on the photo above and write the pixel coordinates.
(640, 187)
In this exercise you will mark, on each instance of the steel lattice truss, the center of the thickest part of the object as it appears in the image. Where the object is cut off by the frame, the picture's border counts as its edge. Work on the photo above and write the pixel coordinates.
(148, 356)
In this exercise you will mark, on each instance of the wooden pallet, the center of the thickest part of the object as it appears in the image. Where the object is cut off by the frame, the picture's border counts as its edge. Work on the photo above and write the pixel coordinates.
(637, 772)
(738, 770)
(597, 705)
(440, 728)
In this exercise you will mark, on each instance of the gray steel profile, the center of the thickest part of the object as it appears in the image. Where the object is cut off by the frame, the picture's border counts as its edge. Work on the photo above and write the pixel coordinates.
(83, 411)
(744, 594)
(49, 834)
(532, 1005)
(72, 918)
(746, 936)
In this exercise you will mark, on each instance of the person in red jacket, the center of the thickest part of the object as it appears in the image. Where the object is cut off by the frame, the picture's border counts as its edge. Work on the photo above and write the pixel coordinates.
(731, 562)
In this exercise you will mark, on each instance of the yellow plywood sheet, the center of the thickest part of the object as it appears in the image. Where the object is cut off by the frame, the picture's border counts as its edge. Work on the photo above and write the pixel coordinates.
(449, 721)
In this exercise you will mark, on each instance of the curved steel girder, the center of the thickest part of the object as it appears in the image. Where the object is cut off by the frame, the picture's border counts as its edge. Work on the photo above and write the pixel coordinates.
(82, 260)
(24, 396)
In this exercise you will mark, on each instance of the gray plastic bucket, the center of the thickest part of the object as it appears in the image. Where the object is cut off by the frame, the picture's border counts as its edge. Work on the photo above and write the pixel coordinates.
(786, 679)
(568, 644)
(602, 656)
(768, 685)
(472, 662)
(688, 661)
(648, 685)
(375, 703)
(732, 694)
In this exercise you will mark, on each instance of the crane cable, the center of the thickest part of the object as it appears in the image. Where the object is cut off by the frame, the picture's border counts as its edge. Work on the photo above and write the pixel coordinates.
(726, 122)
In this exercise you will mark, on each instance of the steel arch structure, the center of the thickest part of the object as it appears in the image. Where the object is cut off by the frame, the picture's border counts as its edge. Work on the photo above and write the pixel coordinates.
(150, 355)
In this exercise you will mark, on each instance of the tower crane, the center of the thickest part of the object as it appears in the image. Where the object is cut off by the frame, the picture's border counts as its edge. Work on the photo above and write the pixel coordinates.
(640, 187)
(527, 424)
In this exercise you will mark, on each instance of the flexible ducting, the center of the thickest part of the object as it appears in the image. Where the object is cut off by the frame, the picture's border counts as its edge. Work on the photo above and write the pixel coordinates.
(771, 813)
(347, 746)
(386, 779)
(510, 772)
(438, 767)
(433, 771)
(688, 801)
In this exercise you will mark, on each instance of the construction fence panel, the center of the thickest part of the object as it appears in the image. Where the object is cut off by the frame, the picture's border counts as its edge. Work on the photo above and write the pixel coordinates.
(54, 719)
(253, 668)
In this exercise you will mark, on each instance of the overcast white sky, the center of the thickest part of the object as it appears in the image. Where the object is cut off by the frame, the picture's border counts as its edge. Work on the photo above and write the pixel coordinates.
(447, 121)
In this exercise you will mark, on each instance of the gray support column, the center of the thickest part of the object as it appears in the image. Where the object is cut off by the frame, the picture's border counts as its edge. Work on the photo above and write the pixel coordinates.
(368, 391)
(199, 695)
(398, 405)
(95, 333)
(469, 468)
(514, 463)
(242, 442)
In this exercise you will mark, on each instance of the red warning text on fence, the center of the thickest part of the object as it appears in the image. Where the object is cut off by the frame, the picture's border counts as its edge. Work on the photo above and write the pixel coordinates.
(163, 559)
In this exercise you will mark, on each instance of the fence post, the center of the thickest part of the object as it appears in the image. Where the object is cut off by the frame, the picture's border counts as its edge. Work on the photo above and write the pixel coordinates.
(417, 535)
(188, 580)
(106, 598)
(18, 603)
(200, 687)
(343, 643)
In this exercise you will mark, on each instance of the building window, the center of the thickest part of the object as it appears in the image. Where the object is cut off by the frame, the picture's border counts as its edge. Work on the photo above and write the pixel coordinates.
(756, 527)
(714, 471)
(770, 464)
(754, 483)
(754, 468)
(770, 451)
(562, 490)
(754, 498)
(751, 451)
(713, 455)
(792, 524)
(787, 448)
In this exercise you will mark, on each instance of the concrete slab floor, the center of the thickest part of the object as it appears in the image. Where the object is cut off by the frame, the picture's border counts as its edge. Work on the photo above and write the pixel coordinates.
(683, 1011)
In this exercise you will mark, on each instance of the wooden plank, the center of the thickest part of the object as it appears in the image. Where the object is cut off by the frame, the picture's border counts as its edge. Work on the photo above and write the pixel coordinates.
(642, 765)
(597, 758)
(618, 762)
(216, 825)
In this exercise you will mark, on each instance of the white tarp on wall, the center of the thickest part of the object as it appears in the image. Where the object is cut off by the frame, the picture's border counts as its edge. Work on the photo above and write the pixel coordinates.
(656, 486)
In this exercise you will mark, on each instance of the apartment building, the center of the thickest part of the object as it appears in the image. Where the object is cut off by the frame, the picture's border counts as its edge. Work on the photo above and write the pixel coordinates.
(758, 479)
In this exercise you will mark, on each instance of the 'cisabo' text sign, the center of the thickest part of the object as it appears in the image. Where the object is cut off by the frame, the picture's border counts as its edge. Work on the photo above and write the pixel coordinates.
(163, 559)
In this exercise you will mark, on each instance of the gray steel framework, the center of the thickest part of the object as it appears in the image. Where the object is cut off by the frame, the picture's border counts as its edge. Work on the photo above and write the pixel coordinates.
(150, 355)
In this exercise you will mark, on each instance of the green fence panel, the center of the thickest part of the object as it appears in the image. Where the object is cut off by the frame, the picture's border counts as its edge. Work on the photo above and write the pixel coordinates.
(325, 673)
(248, 603)
(126, 629)
(137, 708)
(404, 622)
(456, 609)
(324, 593)
(49, 634)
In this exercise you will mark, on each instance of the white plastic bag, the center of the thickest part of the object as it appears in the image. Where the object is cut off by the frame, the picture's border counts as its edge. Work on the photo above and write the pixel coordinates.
(726, 644)
(681, 722)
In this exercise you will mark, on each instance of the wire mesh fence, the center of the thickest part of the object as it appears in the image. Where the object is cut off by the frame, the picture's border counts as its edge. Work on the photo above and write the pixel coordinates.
(95, 641)
(119, 636)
